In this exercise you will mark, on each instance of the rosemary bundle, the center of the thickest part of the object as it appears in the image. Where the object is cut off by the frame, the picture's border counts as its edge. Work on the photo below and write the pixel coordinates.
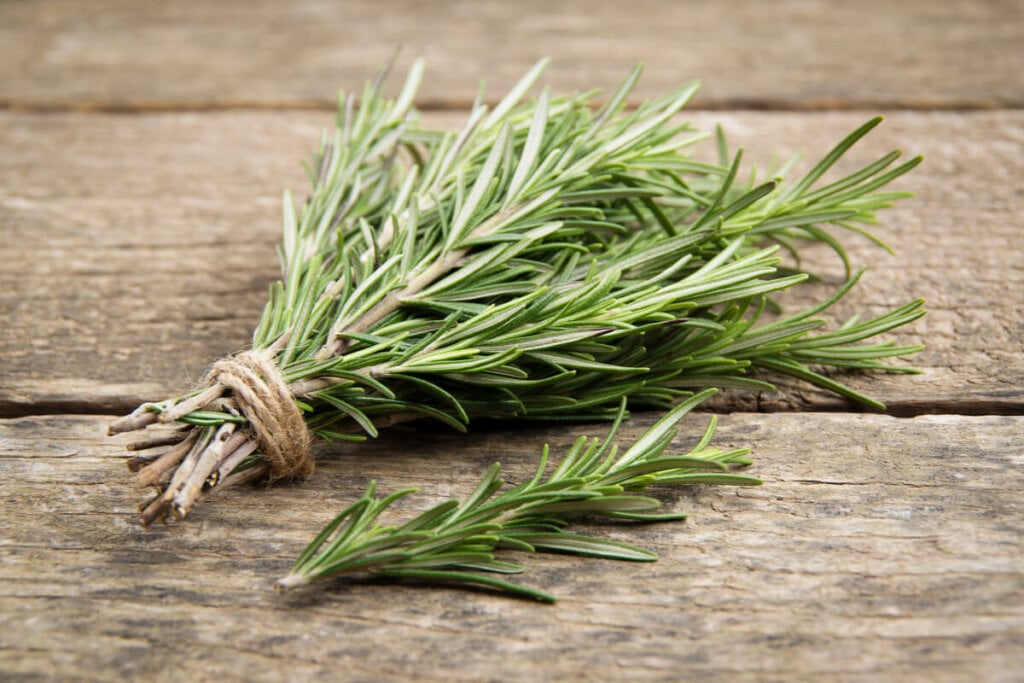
(549, 260)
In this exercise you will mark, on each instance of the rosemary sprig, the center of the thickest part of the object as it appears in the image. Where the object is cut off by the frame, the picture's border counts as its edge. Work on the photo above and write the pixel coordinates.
(545, 261)
(457, 541)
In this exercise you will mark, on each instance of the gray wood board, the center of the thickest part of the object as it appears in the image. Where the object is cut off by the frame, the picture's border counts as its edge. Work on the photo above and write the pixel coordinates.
(784, 54)
(879, 548)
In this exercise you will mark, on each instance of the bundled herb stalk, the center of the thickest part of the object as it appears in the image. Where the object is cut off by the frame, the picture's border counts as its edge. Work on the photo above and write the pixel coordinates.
(545, 261)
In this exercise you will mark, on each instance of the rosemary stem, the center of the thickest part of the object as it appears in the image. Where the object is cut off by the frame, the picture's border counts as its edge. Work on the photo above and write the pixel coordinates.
(140, 418)
(235, 455)
(390, 303)
(156, 441)
(193, 403)
(252, 474)
(151, 473)
(206, 464)
(395, 298)
(157, 508)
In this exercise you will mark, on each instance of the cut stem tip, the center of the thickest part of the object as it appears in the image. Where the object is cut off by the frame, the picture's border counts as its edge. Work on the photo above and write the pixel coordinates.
(292, 581)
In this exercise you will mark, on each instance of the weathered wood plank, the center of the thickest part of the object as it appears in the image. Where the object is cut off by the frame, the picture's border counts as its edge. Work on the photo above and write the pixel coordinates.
(789, 53)
(94, 228)
(879, 549)
(136, 250)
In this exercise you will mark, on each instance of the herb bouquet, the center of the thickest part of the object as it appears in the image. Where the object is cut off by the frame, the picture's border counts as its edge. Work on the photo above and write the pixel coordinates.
(546, 261)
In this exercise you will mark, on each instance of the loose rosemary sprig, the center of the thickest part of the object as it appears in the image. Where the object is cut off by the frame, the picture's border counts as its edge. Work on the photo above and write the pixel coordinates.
(457, 541)
(544, 261)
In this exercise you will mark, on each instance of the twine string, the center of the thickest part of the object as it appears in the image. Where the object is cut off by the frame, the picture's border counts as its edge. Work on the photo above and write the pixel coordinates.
(263, 397)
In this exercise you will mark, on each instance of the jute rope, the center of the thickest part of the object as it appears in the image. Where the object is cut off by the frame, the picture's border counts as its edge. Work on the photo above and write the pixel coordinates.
(263, 397)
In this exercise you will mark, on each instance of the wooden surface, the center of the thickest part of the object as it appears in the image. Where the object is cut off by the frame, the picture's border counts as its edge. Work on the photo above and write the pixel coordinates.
(144, 150)
(878, 549)
(787, 53)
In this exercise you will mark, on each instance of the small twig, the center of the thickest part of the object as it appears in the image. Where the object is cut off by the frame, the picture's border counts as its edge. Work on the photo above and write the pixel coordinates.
(137, 462)
(141, 417)
(158, 508)
(161, 440)
(180, 410)
(236, 454)
(252, 474)
(206, 464)
(151, 473)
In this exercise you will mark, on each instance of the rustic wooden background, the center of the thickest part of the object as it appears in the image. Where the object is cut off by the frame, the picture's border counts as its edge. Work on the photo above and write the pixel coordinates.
(143, 149)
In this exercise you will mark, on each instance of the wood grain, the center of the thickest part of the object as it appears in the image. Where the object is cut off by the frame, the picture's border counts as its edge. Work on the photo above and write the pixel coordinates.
(137, 249)
(783, 54)
(878, 549)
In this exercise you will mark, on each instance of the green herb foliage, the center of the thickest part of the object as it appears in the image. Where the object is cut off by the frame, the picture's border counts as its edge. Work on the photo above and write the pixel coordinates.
(455, 541)
(547, 260)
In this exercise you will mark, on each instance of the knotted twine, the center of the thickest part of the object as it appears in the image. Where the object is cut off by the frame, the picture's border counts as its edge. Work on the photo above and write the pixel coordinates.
(262, 396)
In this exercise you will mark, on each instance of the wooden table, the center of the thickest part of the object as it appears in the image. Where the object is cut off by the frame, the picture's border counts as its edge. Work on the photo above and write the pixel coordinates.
(144, 149)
